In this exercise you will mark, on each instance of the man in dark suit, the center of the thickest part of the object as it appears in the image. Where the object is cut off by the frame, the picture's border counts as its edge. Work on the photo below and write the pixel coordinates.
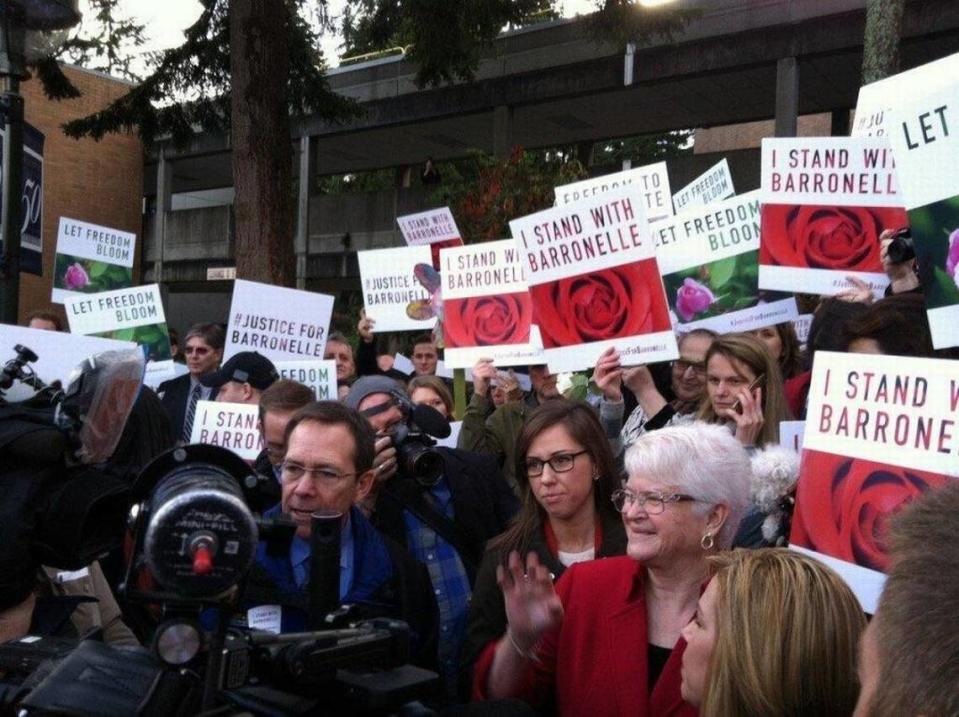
(204, 351)
(444, 523)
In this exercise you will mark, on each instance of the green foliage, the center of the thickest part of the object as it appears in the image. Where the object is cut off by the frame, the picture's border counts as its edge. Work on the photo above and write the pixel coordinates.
(105, 41)
(485, 193)
(101, 276)
(153, 337)
(644, 149)
(733, 281)
(377, 180)
(623, 21)
(444, 37)
(931, 228)
(190, 84)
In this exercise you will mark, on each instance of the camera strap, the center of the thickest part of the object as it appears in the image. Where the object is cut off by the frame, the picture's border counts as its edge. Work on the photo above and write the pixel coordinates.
(412, 499)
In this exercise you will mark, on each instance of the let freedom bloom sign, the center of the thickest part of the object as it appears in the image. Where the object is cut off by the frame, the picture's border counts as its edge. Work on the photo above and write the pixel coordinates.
(651, 184)
(592, 272)
(90, 259)
(880, 430)
(709, 258)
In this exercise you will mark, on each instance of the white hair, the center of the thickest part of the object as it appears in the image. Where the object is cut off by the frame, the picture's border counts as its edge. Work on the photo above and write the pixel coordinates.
(702, 459)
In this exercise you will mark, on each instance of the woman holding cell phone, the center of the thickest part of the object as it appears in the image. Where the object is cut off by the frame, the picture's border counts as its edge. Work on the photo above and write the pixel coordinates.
(744, 389)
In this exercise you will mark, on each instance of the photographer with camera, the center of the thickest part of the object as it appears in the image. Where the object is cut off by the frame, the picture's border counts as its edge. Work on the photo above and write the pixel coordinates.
(328, 468)
(443, 504)
(898, 256)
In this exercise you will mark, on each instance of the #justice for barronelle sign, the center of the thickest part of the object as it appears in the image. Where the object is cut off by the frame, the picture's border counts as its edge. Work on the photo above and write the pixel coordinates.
(90, 259)
(278, 322)
(487, 308)
(825, 203)
(880, 430)
(709, 258)
(592, 272)
(390, 282)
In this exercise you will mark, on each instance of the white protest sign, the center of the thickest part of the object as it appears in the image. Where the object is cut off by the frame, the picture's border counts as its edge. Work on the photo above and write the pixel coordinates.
(713, 185)
(924, 135)
(791, 434)
(280, 323)
(879, 101)
(157, 374)
(402, 364)
(487, 308)
(91, 258)
(133, 314)
(318, 375)
(801, 324)
(267, 618)
(115, 310)
(709, 259)
(592, 272)
(651, 184)
(825, 202)
(228, 425)
(880, 430)
(58, 353)
(450, 441)
(390, 285)
(429, 227)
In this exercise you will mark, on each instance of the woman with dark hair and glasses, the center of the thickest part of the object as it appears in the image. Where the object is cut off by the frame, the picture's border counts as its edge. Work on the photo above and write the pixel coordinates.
(567, 474)
(606, 640)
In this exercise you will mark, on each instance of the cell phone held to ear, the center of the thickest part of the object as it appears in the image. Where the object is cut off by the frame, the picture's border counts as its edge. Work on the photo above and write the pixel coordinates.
(757, 382)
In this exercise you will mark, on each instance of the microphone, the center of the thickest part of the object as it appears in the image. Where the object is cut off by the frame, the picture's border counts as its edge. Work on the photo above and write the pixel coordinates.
(430, 420)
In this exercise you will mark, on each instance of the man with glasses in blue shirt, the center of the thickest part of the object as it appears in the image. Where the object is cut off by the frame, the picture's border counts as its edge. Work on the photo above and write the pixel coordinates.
(328, 467)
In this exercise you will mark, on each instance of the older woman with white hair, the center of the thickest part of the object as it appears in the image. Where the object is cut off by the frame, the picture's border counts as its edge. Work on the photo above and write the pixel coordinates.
(606, 639)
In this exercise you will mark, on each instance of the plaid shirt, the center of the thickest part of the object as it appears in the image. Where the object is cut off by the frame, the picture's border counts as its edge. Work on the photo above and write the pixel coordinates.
(448, 576)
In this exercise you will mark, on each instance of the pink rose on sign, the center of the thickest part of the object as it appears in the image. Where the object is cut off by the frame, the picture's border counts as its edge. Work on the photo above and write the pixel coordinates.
(692, 298)
(76, 277)
(952, 258)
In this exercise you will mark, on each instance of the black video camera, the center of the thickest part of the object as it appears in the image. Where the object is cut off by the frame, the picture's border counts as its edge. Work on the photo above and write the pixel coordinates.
(901, 249)
(414, 440)
(194, 545)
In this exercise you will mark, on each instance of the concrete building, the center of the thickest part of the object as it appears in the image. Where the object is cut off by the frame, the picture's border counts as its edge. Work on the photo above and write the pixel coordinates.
(740, 61)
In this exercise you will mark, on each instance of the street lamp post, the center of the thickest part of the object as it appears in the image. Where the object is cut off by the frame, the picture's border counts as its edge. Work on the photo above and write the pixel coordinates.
(18, 18)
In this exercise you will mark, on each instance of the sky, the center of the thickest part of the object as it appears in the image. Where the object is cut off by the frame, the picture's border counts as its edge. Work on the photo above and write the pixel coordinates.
(166, 20)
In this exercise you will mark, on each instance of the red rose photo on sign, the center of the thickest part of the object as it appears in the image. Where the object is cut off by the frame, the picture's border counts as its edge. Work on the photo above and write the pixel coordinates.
(488, 320)
(616, 302)
(843, 505)
(837, 238)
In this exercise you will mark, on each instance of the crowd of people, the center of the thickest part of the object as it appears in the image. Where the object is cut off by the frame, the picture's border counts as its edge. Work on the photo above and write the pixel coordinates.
(615, 555)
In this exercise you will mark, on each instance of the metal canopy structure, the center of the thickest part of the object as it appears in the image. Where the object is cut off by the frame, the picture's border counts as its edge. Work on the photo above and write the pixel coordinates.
(551, 84)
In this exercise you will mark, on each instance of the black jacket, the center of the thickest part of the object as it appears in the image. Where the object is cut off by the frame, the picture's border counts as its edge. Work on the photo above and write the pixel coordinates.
(267, 492)
(487, 620)
(173, 395)
(483, 504)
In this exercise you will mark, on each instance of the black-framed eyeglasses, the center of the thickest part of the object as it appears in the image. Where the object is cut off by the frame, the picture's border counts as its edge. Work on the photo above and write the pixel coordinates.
(652, 501)
(291, 472)
(698, 367)
(560, 463)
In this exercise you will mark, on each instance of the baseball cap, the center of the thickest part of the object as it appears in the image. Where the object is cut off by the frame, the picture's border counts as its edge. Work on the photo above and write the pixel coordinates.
(249, 367)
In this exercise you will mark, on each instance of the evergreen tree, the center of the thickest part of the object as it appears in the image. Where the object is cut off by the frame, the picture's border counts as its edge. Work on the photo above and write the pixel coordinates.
(105, 41)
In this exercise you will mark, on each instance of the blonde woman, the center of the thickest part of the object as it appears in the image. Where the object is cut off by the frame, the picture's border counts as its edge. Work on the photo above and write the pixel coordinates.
(775, 633)
(744, 389)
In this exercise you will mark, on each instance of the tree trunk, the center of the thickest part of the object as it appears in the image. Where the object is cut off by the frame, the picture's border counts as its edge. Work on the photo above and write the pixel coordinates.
(260, 138)
(880, 52)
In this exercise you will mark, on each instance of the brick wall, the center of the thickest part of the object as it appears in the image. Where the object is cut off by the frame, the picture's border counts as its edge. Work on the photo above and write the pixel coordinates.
(99, 182)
